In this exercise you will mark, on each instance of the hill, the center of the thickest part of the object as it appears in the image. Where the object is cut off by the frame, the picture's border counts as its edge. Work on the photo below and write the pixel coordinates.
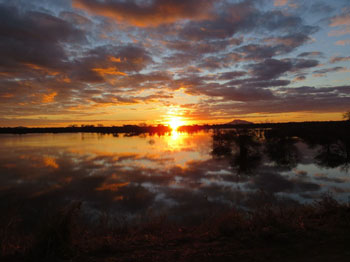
(239, 122)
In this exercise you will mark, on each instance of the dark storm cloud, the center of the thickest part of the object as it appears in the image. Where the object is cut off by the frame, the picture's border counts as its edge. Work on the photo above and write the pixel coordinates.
(231, 75)
(75, 19)
(26, 36)
(271, 68)
(271, 83)
(257, 52)
(246, 94)
(101, 62)
(323, 72)
(282, 100)
(275, 46)
(115, 99)
(229, 19)
(244, 17)
(214, 63)
(286, 23)
(254, 82)
(312, 54)
(202, 47)
(227, 92)
(340, 59)
(303, 63)
(274, 68)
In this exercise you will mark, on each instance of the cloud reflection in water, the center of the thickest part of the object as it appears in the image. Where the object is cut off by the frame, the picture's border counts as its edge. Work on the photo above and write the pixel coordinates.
(179, 173)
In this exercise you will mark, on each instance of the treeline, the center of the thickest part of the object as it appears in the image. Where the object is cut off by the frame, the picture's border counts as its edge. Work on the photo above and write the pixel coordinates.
(162, 129)
(292, 126)
(130, 129)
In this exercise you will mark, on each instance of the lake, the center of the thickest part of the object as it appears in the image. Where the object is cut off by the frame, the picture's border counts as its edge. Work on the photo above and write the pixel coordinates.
(182, 175)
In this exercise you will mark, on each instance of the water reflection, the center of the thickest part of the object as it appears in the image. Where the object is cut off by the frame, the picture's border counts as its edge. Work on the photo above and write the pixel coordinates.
(240, 147)
(334, 154)
(179, 173)
(283, 151)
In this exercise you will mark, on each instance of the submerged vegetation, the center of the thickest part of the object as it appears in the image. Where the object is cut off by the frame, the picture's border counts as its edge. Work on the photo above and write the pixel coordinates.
(273, 232)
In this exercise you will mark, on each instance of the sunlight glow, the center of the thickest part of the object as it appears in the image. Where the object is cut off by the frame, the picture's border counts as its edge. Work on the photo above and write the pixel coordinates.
(175, 123)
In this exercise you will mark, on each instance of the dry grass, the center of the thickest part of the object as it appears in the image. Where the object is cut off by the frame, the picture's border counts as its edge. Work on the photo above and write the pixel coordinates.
(317, 232)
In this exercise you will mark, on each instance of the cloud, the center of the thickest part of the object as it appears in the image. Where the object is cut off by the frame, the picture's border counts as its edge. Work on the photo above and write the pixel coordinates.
(26, 36)
(274, 68)
(281, 100)
(321, 7)
(340, 32)
(81, 61)
(231, 75)
(340, 59)
(342, 19)
(104, 61)
(323, 72)
(343, 42)
(280, 2)
(49, 97)
(148, 13)
(312, 54)
(50, 162)
(270, 68)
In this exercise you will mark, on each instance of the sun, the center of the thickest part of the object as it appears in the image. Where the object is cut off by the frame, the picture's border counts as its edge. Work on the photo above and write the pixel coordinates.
(175, 123)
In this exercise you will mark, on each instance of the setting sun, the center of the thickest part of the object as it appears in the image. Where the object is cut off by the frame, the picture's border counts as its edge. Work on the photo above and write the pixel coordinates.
(175, 123)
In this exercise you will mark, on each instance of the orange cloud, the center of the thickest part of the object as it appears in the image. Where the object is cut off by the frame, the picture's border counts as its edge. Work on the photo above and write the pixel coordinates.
(341, 20)
(111, 187)
(339, 59)
(152, 14)
(40, 68)
(343, 42)
(280, 2)
(115, 59)
(66, 79)
(118, 198)
(285, 2)
(50, 162)
(7, 95)
(49, 97)
(108, 71)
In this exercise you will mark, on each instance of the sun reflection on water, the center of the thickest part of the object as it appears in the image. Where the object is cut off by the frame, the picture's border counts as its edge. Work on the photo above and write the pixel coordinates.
(175, 140)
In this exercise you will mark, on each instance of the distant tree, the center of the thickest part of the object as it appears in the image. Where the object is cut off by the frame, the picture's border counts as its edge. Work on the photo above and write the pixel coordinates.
(346, 116)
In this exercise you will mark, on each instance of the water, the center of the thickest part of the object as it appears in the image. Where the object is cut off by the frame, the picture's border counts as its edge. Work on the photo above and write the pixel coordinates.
(178, 174)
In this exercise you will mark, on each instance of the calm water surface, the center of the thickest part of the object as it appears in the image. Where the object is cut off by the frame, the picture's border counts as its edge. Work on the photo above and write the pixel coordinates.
(178, 174)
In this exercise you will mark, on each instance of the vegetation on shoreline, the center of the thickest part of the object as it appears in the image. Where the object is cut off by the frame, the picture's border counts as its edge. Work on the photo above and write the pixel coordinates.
(314, 232)
(162, 129)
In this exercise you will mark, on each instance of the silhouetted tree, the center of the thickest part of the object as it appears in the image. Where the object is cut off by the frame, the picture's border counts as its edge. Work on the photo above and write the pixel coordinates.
(346, 116)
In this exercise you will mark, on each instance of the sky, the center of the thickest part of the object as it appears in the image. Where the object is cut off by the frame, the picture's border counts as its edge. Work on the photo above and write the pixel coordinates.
(116, 62)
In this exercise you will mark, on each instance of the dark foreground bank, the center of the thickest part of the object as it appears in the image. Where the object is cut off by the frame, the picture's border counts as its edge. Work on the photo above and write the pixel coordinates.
(316, 232)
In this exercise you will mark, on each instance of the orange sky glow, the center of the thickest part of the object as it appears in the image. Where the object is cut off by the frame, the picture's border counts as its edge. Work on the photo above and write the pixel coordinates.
(184, 62)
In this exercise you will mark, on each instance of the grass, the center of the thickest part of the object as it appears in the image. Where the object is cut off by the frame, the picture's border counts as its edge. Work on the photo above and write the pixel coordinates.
(314, 232)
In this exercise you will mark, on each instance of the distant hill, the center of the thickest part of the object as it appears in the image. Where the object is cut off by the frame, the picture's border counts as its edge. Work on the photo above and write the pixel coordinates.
(239, 122)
